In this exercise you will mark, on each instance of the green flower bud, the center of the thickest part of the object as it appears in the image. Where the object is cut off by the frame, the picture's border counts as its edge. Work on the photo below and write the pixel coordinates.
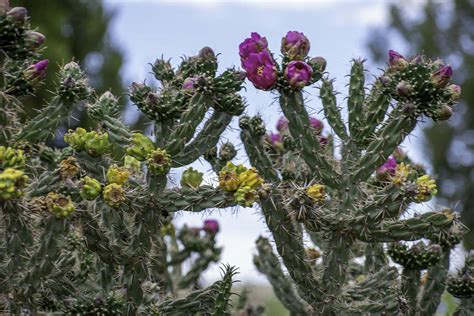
(11, 158)
(140, 146)
(91, 188)
(131, 164)
(117, 175)
(114, 194)
(191, 178)
(12, 183)
(158, 161)
(76, 139)
(96, 144)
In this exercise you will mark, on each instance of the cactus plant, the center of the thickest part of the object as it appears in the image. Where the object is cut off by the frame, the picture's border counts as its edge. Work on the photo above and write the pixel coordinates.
(87, 229)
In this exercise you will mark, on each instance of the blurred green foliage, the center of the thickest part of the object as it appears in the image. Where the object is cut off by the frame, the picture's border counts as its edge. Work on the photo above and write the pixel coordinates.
(76, 30)
(445, 29)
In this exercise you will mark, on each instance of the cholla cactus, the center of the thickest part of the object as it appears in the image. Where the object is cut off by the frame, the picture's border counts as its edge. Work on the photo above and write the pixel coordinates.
(350, 192)
(88, 229)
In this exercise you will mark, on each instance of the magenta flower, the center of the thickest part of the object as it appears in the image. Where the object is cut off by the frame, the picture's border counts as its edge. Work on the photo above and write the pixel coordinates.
(211, 226)
(37, 70)
(318, 125)
(282, 124)
(188, 83)
(442, 76)
(295, 45)
(388, 167)
(298, 74)
(261, 70)
(396, 60)
(252, 45)
(275, 138)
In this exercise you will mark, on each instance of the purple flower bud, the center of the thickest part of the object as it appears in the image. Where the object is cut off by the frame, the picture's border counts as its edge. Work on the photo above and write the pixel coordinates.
(17, 14)
(189, 83)
(318, 125)
(455, 91)
(275, 138)
(252, 45)
(388, 167)
(207, 52)
(403, 89)
(443, 113)
(261, 70)
(211, 226)
(37, 71)
(282, 124)
(298, 74)
(441, 77)
(295, 45)
(35, 39)
(396, 60)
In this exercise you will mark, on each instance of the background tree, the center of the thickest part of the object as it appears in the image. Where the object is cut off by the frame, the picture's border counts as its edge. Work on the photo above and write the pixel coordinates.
(76, 29)
(442, 29)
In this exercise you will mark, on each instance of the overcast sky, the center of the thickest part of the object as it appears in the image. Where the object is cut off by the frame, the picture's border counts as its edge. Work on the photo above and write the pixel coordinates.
(338, 31)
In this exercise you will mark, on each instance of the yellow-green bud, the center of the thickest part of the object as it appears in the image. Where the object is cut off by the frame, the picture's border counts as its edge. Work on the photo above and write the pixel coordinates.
(140, 147)
(131, 164)
(114, 194)
(76, 139)
(96, 144)
(158, 161)
(11, 158)
(245, 196)
(191, 178)
(91, 188)
(12, 182)
(61, 206)
(117, 174)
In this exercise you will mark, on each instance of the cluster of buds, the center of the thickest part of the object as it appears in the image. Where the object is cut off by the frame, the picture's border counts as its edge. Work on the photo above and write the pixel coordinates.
(114, 193)
(417, 257)
(244, 182)
(142, 148)
(263, 71)
(60, 205)
(423, 86)
(11, 158)
(12, 177)
(73, 83)
(16, 38)
(462, 284)
(12, 183)
(91, 188)
(94, 143)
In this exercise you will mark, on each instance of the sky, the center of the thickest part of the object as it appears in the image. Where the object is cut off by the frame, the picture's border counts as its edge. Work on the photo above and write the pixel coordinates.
(338, 31)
